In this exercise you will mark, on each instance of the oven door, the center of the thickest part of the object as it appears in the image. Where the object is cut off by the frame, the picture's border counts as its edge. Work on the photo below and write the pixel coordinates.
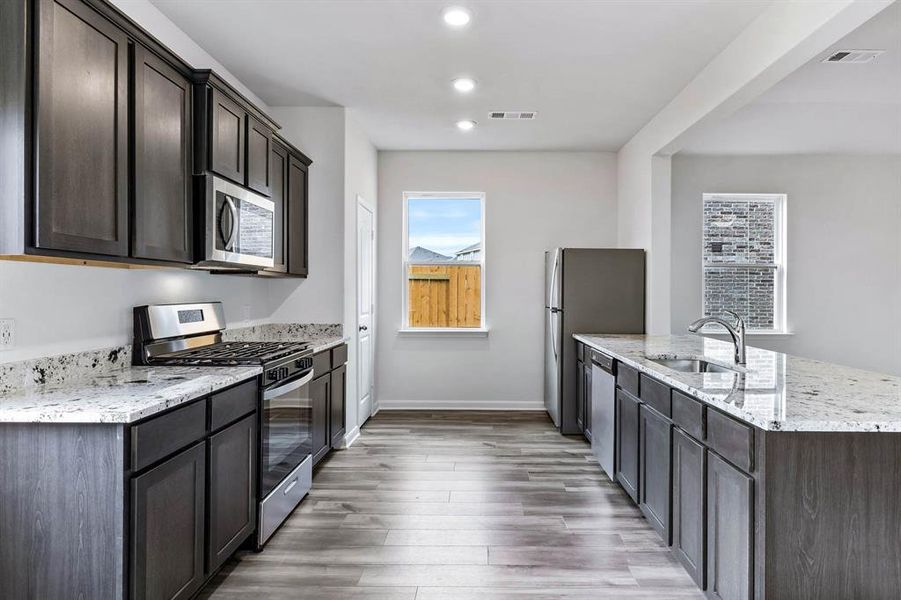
(287, 422)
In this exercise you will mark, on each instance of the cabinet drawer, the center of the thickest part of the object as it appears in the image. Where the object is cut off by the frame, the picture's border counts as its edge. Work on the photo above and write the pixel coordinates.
(159, 437)
(627, 378)
(339, 355)
(730, 439)
(656, 395)
(688, 414)
(602, 360)
(322, 363)
(228, 405)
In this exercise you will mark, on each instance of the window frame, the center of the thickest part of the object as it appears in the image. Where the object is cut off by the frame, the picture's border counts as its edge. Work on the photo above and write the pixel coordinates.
(482, 329)
(779, 265)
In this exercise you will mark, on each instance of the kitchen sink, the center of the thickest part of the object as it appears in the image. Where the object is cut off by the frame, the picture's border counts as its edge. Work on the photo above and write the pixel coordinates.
(694, 365)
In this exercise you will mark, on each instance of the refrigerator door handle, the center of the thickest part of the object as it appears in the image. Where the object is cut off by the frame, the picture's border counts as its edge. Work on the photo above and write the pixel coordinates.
(554, 332)
(553, 293)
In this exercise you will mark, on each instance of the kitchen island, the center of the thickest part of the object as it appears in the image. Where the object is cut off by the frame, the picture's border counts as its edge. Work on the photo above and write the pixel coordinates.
(777, 479)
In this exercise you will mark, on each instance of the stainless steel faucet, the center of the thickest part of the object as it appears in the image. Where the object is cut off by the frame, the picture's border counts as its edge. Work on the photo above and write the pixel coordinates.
(736, 330)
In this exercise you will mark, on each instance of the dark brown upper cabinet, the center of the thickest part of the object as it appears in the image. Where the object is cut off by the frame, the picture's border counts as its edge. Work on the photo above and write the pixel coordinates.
(162, 228)
(259, 151)
(227, 137)
(279, 167)
(81, 131)
(298, 216)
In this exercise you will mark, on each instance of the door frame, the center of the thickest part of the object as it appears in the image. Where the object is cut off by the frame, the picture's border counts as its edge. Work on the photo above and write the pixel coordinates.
(358, 373)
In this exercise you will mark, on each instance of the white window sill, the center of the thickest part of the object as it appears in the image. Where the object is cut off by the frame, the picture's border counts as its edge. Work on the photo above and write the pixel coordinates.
(445, 331)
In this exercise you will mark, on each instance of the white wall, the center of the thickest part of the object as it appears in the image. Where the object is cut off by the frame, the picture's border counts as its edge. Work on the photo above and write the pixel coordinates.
(65, 308)
(360, 178)
(319, 133)
(844, 249)
(780, 40)
(534, 201)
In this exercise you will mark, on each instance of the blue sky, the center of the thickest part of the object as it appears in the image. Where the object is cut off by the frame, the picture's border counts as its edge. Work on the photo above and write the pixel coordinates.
(444, 226)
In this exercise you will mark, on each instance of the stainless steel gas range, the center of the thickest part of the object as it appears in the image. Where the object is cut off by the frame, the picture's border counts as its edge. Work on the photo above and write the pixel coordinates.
(191, 334)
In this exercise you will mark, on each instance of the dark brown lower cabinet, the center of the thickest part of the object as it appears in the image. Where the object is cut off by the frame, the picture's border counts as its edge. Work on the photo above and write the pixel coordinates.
(585, 398)
(689, 500)
(627, 443)
(319, 396)
(730, 529)
(232, 515)
(580, 396)
(337, 407)
(167, 533)
(655, 433)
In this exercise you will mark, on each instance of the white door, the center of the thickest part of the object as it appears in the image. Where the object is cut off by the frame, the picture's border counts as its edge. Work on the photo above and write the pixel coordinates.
(365, 284)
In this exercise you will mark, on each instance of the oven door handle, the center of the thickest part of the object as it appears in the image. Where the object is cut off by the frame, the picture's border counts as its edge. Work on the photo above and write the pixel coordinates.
(288, 387)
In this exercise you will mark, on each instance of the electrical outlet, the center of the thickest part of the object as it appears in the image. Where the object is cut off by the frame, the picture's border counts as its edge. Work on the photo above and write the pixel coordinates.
(7, 334)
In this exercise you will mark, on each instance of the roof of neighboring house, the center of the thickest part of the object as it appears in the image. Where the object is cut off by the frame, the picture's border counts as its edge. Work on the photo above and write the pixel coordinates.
(472, 248)
(420, 254)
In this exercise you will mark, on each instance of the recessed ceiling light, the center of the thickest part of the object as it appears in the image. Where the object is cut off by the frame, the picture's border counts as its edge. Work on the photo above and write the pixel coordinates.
(464, 84)
(456, 16)
(465, 125)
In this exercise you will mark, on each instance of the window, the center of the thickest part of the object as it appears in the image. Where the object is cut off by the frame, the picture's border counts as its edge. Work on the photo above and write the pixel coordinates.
(743, 258)
(444, 261)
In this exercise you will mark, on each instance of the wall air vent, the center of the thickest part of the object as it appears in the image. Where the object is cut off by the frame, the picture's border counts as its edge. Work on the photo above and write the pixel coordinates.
(525, 115)
(853, 56)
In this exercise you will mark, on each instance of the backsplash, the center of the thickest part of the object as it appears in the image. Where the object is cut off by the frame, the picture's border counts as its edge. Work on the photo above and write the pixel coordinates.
(50, 370)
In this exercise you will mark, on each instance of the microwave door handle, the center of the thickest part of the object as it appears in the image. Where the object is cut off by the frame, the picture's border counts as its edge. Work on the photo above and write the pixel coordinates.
(233, 230)
(288, 387)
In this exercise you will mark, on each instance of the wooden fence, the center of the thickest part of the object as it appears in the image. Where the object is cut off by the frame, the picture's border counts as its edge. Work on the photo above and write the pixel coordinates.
(445, 296)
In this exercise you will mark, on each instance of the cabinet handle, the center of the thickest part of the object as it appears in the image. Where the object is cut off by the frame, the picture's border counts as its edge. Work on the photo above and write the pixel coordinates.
(290, 486)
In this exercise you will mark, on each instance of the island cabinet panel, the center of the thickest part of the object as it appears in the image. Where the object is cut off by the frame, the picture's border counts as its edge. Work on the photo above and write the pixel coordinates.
(259, 153)
(81, 131)
(228, 142)
(689, 501)
(730, 531)
(298, 216)
(167, 536)
(627, 446)
(232, 502)
(580, 391)
(320, 389)
(337, 406)
(655, 435)
(162, 216)
(585, 399)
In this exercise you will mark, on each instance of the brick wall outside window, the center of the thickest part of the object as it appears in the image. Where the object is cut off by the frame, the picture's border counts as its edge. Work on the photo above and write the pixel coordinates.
(739, 257)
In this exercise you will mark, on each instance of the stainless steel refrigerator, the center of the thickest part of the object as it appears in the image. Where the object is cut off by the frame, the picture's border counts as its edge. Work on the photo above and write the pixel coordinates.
(587, 290)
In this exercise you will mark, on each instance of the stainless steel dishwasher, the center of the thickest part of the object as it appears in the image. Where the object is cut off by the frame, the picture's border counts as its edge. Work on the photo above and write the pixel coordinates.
(603, 389)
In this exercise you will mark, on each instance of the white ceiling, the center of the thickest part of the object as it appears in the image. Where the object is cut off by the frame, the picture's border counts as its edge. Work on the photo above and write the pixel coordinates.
(595, 70)
(824, 108)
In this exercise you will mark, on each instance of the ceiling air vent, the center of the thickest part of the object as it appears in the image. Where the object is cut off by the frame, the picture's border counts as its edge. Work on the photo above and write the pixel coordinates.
(525, 115)
(853, 56)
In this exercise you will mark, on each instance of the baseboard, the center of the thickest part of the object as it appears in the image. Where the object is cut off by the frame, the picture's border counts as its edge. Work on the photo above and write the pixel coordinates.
(351, 437)
(459, 405)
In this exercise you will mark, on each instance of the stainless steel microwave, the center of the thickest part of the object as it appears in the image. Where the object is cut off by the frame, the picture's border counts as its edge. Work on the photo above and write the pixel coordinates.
(238, 227)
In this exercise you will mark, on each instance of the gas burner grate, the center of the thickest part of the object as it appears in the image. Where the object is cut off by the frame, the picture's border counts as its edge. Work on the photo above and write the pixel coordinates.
(237, 352)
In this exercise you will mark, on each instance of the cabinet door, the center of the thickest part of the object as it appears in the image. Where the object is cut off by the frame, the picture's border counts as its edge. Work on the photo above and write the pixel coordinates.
(259, 153)
(81, 131)
(297, 217)
(627, 443)
(232, 494)
(228, 147)
(730, 524)
(162, 227)
(586, 400)
(338, 405)
(655, 433)
(580, 396)
(167, 531)
(319, 396)
(689, 502)
(279, 164)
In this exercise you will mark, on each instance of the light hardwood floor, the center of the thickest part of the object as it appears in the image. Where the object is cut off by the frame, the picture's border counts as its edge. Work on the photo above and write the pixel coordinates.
(460, 505)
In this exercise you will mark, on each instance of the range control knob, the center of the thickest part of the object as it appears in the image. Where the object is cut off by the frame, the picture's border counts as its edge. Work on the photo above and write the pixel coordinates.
(272, 374)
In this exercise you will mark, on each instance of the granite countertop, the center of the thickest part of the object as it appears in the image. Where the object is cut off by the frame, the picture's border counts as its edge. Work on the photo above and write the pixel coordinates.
(779, 392)
(121, 396)
(322, 337)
